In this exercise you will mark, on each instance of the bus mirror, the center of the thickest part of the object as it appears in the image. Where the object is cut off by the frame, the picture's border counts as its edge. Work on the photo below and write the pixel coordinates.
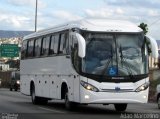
(81, 46)
(153, 46)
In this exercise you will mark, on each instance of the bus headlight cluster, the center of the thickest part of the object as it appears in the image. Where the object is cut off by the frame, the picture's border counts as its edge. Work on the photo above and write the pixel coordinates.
(18, 82)
(142, 87)
(89, 86)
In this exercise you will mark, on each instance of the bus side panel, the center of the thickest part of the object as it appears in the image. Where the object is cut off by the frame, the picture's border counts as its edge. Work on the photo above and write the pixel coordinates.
(38, 85)
(25, 84)
(76, 89)
(53, 86)
(45, 86)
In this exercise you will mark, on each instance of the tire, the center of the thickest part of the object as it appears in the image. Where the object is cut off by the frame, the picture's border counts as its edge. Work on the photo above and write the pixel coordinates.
(10, 89)
(15, 89)
(37, 100)
(158, 102)
(68, 104)
(120, 107)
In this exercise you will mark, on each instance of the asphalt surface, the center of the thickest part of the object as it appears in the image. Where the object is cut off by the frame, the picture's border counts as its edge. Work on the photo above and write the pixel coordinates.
(14, 105)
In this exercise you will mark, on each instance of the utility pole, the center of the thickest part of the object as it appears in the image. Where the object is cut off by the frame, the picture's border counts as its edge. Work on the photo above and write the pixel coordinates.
(36, 16)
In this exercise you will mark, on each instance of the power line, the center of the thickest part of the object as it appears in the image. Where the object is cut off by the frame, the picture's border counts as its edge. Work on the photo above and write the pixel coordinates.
(154, 22)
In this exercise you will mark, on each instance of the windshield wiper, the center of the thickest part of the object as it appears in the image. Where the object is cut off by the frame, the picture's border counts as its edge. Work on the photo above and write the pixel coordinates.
(123, 60)
(108, 62)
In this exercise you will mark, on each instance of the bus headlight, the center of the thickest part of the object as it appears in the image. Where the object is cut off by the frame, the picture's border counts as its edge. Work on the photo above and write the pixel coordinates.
(89, 86)
(142, 87)
(18, 82)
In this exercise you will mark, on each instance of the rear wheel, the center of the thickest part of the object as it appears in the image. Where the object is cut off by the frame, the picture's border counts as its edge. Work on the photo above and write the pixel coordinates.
(10, 89)
(158, 102)
(120, 107)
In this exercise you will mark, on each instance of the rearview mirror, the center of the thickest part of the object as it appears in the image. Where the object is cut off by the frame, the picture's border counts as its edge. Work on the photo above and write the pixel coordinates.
(81, 45)
(153, 46)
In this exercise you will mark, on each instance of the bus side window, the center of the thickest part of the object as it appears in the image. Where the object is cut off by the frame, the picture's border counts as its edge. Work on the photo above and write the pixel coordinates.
(30, 48)
(54, 44)
(67, 44)
(23, 50)
(64, 44)
(62, 40)
(74, 53)
(51, 50)
(37, 47)
(45, 46)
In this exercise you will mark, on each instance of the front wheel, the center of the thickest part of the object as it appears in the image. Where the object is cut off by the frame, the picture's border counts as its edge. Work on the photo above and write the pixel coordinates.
(35, 99)
(68, 104)
(158, 102)
(120, 107)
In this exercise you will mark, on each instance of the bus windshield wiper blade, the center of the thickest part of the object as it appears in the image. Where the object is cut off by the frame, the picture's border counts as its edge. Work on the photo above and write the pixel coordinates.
(123, 60)
(108, 62)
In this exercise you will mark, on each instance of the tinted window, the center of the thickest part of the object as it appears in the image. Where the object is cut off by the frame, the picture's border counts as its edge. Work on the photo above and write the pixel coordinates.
(37, 47)
(23, 49)
(74, 53)
(30, 48)
(54, 44)
(45, 45)
(62, 40)
(63, 44)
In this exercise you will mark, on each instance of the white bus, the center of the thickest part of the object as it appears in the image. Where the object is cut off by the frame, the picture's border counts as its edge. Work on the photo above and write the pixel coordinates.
(89, 61)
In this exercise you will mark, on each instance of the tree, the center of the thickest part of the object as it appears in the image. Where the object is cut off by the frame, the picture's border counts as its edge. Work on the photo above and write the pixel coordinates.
(144, 27)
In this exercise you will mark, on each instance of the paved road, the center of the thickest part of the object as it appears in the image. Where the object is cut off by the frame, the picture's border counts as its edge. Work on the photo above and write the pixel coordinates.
(14, 104)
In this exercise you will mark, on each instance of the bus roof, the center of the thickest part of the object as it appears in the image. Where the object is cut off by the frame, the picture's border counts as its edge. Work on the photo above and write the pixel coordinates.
(99, 25)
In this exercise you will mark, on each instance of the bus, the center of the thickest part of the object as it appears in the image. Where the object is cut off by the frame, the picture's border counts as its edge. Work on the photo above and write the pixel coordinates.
(89, 61)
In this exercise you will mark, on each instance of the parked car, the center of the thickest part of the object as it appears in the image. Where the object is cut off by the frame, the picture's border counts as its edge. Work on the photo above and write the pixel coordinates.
(15, 81)
(158, 95)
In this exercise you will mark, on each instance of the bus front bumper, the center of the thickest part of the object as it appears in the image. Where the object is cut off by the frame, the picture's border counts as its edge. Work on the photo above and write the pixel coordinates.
(91, 97)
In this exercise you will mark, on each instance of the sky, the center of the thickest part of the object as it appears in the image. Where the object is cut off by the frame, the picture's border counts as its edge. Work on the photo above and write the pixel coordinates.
(20, 14)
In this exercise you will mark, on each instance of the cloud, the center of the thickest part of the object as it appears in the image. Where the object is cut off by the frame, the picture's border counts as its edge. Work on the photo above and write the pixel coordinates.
(127, 13)
(17, 22)
(66, 16)
(134, 3)
(103, 12)
(31, 3)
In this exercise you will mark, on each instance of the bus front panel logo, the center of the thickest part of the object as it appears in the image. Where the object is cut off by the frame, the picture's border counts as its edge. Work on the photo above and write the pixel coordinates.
(117, 88)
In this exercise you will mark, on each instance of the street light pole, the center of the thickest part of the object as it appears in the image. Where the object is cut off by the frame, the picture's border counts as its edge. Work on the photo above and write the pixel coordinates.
(36, 16)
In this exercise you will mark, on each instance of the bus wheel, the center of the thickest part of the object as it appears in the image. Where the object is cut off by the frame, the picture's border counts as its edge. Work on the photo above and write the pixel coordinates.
(15, 89)
(159, 102)
(69, 105)
(120, 107)
(35, 99)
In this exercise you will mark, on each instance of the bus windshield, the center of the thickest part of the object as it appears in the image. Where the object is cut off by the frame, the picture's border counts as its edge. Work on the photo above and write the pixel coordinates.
(115, 54)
